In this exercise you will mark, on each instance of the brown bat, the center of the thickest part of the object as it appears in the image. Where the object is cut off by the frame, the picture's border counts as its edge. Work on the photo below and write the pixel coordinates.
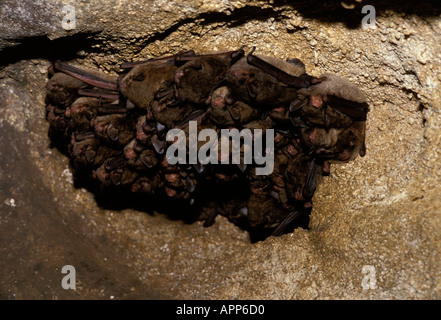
(148, 82)
(87, 151)
(139, 159)
(267, 80)
(82, 111)
(201, 74)
(252, 85)
(115, 172)
(225, 113)
(62, 89)
(59, 123)
(114, 129)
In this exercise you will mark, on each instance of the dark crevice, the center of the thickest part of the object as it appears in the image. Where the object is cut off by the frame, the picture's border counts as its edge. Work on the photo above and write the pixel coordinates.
(421, 109)
(414, 74)
(333, 11)
(410, 91)
(42, 47)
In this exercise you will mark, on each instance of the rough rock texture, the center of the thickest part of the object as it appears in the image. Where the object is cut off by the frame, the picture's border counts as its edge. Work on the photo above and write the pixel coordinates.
(375, 230)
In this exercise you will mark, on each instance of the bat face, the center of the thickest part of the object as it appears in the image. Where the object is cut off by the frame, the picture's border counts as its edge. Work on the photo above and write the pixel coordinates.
(116, 132)
(196, 79)
(61, 88)
(82, 111)
(145, 82)
(252, 85)
(225, 113)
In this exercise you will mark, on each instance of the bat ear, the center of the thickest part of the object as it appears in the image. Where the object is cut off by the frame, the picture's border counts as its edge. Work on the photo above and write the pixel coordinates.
(236, 55)
(139, 77)
(252, 89)
(90, 155)
(334, 85)
(296, 61)
(234, 112)
(112, 132)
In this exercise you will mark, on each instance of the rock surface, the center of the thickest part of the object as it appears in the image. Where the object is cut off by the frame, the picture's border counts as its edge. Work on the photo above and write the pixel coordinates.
(375, 229)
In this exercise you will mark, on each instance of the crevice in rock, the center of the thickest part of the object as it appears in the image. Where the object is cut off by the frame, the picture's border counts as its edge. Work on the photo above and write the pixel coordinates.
(333, 11)
(42, 47)
(421, 109)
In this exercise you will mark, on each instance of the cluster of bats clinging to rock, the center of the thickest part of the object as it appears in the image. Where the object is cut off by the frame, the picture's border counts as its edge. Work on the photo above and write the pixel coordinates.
(114, 130)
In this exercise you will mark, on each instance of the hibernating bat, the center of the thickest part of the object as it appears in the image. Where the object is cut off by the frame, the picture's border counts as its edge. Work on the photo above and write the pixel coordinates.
(117, 132)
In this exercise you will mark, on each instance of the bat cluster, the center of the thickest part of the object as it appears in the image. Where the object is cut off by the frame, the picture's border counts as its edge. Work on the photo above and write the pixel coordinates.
(115, 130)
